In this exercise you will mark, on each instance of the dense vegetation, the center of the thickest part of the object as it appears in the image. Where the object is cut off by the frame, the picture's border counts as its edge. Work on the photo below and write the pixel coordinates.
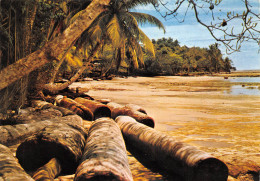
(173, 59)
(170, 59)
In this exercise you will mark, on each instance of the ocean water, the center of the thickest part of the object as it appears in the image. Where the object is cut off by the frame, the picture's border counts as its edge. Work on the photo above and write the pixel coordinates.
(244, 89)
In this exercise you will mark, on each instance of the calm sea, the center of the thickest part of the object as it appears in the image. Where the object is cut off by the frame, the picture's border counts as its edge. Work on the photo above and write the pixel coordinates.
(244, 89)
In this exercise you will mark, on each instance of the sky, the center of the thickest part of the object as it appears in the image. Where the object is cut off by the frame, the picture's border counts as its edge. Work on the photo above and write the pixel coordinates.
(191, 33)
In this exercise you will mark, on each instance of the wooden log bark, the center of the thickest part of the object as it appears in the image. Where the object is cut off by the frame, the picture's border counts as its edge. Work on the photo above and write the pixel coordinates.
(57, 141)
(48, 172)
(99, 110)
(78, 108)
(30, 115)
(118, 110)
(174, 156)
(39, 104)
(10, 169)
(13, 134)
(136, 108)
(105, 155)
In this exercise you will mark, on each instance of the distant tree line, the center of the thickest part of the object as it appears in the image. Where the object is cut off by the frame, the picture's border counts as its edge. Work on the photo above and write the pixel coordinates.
(172, 59)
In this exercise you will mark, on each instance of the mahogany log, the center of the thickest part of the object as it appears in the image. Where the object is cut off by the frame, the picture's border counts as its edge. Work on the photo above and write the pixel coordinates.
(136, 108)
(118, 110)
(77, 108)
(105, 156)
(99, 110)
(56, 141)
(10, 169)
(174, 156)
(48, 171)
(13, 134)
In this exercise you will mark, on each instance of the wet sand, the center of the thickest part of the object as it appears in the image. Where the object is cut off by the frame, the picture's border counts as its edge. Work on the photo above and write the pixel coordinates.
(198, 110)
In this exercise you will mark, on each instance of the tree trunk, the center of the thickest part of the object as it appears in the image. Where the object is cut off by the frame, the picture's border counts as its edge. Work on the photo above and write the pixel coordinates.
(77, 108)
(99, 110)
(57, 141)
(54, 88)
(11, 135)
(38, 104)
(10, 170)
(174, 156)
(136, 108)
(56, 69)
(54, 48)
(118, 110)
(105, 155)
(48, 172)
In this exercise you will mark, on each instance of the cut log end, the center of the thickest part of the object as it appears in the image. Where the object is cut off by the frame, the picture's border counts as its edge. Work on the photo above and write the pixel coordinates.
(102, 112)
(31, 160)
(148, 122)
(57, 141)
(98, 177)
(211, 169)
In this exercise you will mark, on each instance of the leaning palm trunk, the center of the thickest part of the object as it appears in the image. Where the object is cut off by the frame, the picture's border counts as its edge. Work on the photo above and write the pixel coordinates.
(105, 155)
(54, 48)
(54, 88)
(48, 172)
(174, 156)
(9, 168)
(57, 141)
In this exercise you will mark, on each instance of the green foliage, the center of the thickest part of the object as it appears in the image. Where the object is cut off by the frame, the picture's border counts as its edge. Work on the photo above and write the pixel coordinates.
(173, 59)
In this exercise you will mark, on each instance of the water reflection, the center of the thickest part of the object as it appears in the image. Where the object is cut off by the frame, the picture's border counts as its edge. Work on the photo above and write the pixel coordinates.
(244, 89)
(244, 79)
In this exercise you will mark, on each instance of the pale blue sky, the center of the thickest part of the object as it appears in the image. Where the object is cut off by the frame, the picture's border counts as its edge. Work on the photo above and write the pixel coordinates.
(191, 33)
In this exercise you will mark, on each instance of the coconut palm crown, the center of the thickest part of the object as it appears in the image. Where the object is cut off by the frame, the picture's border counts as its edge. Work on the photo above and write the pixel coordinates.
(119, 26)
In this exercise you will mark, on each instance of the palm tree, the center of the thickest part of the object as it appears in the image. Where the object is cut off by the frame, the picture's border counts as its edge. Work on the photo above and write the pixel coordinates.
(118, 26)
(54, 48)
(215, 57)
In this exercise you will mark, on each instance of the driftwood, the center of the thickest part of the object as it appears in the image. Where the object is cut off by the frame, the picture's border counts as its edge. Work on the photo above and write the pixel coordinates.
(118, 110)
(13, 134)
(48, 172)
(77, 108)
(174, 156)
(56, 141)
(99, 110)
(10, 169)
(105, 155)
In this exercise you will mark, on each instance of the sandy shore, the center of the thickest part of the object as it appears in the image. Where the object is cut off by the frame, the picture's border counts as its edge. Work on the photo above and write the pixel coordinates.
(198, 110)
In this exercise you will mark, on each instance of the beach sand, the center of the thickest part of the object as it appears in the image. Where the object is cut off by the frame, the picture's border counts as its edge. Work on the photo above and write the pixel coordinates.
(201, 111)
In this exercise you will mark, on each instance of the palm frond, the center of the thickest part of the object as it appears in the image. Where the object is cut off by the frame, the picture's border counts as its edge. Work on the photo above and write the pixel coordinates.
(133, 3)
(73, 60)
(136, 52)
(129, 25)
(143, 18)
(114, 31)
(148, 44)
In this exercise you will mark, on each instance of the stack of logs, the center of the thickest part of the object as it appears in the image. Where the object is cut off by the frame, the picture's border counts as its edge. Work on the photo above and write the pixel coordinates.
(88, 138)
